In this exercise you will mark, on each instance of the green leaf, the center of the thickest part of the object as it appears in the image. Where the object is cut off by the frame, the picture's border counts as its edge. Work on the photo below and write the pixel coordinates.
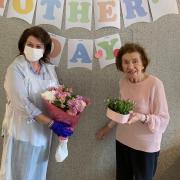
(119, 105)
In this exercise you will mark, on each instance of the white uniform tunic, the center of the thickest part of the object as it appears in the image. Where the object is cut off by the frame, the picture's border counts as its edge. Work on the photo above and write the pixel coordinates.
(26, 142)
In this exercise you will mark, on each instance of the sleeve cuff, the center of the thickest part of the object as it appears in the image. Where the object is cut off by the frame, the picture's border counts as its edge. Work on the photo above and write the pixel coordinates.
(33, 112)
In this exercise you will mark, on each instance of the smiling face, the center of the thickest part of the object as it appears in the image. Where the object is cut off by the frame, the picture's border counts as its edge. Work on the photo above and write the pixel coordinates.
(132, 65)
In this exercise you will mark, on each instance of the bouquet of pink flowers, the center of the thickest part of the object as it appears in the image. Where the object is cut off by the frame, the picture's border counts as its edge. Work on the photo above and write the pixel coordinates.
(62, 105)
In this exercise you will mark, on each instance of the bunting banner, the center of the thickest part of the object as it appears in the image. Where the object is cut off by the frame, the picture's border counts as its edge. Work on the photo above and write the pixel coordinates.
(135, 11)
(58, 43)
(78, 14)
(160, 8)
(23, 9)
(106, 46)
(80, 53)
(2, 6)
(49, 12)
(107, 13)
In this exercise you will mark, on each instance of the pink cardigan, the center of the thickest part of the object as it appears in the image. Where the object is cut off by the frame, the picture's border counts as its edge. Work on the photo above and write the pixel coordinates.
(150, 99)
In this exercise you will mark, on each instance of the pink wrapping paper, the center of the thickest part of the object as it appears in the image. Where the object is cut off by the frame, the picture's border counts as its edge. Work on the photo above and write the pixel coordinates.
(59, 115)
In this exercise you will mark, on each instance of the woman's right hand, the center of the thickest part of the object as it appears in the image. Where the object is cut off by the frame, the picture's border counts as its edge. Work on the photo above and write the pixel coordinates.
(102, 132)
(61, 129)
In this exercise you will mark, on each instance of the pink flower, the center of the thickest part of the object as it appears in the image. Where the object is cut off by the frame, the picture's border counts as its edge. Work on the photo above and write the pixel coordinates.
(64, 99)
(80, 105)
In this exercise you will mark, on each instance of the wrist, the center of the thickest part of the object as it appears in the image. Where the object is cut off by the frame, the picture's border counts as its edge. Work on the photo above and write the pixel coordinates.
(110, 124)
(50, 123)
(144, 118)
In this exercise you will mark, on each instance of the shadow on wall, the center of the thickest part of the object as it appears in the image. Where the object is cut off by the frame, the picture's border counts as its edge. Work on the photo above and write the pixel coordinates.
(169, 165)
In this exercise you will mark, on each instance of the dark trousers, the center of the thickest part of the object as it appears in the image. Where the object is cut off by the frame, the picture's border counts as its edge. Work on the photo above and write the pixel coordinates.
(133, 164)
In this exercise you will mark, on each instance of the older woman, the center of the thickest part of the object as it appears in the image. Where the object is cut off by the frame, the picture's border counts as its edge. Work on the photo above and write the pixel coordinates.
(25, 127)
(138, 141)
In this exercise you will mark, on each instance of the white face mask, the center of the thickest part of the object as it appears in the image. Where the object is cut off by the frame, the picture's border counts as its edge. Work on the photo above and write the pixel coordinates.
(33, 54)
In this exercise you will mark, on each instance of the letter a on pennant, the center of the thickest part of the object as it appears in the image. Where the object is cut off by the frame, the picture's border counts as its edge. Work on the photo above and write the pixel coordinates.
(80, 53)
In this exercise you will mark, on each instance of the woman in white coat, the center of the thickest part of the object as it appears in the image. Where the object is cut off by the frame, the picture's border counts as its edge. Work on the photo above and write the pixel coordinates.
(26, 128)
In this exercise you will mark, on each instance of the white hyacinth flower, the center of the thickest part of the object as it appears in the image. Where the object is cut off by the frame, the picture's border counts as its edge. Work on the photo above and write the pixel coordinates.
(49, 95)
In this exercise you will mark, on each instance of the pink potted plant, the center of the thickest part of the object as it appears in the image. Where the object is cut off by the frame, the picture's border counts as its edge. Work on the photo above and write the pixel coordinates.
(119, 110)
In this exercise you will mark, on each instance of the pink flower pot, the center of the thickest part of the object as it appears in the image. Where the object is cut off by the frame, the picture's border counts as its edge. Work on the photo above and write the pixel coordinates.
(119, 118)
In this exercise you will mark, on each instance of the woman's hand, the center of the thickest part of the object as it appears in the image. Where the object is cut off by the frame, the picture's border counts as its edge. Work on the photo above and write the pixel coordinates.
(102, 132)
(134, 117)
(61, 129)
